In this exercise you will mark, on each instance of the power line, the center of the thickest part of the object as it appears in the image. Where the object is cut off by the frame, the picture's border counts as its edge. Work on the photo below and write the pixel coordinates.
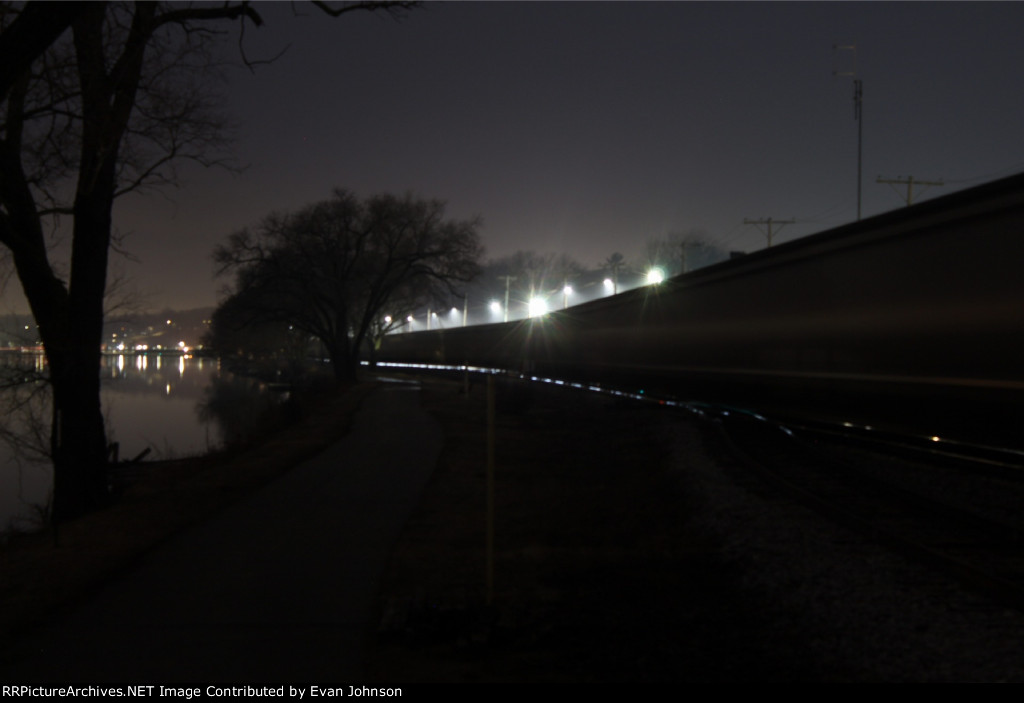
(830, 213)
(909, 182)
(1009, 170)
(769, 222)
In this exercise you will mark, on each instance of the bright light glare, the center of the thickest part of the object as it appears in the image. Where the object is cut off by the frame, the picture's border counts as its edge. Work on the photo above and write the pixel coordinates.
(608, 283)
(495, 307)
(454, 311)
(567, 290)
(409, 319)
(537, 307)
(387, 319)
(655, 276)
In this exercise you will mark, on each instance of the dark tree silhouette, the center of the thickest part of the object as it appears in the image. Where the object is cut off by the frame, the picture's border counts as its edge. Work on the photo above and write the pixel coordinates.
(337, 268)
(680, 252)
(96, 99)
(613, 265)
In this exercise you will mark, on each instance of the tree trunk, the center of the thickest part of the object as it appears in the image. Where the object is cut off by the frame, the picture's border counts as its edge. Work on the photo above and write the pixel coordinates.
(343, 364)
(71, 333)
(78, 439)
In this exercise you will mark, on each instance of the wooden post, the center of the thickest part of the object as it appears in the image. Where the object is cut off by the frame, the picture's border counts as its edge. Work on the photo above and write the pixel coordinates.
(490, 488)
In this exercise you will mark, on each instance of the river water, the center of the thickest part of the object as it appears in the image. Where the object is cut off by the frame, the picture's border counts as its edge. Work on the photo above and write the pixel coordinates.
(149, 402)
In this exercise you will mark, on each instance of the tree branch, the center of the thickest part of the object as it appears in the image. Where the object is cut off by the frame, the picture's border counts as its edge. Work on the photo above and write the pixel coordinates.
(36, 28)
(396, 9)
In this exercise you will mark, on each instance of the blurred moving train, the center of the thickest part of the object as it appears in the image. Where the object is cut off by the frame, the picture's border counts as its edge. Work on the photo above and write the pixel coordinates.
(911, 321)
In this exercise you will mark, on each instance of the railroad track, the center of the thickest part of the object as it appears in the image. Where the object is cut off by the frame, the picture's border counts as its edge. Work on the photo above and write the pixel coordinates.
(953, 507)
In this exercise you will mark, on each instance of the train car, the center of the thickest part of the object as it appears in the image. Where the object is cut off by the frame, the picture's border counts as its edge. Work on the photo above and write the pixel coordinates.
(911, 320)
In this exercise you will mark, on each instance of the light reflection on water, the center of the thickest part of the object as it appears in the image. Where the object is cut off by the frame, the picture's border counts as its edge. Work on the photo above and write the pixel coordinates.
(148, 401)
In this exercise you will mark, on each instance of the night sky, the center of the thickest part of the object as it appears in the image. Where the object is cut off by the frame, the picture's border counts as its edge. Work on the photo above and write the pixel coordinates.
(590, 128)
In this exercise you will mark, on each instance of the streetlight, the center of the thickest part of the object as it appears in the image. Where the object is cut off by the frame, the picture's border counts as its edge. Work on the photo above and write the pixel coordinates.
(655, 276)
(537, 307)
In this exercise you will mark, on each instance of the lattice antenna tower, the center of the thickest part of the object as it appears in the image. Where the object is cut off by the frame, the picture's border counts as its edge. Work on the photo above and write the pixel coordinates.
(844, 64)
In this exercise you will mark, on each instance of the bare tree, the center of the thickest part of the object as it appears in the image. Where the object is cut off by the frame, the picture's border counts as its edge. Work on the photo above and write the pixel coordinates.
(86, 116)
(614, 264)
(535, 273)
(336, 268)
(27, 33)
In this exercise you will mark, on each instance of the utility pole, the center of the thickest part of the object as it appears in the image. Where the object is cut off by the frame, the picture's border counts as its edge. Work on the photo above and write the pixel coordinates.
(858, 111)
(909, 182)
(508, 280)
(769, 222)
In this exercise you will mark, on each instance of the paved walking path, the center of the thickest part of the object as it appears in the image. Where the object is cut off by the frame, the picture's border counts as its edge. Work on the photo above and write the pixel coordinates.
(279, 587)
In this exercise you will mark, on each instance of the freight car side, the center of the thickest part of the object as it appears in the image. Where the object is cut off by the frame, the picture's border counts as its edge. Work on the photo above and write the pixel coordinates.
(912, 320)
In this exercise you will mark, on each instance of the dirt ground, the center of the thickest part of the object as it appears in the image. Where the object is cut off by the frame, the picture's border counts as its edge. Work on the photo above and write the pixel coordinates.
(598, 575)
(43, 573)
